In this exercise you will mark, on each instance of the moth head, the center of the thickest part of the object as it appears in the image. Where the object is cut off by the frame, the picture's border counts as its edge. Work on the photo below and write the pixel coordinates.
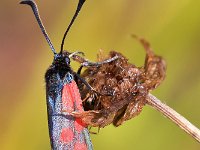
(62, 59)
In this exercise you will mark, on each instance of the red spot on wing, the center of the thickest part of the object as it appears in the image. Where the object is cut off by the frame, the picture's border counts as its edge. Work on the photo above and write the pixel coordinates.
(71, 98)
(67, 100)
(80, 146)
(66, 135)
(77, 97)
(79, 125)
(71, 101)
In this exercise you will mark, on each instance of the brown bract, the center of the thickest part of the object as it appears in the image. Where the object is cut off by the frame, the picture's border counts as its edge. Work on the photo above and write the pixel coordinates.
(123, 88)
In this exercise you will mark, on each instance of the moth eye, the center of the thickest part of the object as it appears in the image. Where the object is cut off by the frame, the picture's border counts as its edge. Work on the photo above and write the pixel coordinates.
(67, 60)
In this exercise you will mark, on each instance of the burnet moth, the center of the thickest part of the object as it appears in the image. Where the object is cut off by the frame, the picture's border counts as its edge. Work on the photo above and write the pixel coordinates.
(62, 95)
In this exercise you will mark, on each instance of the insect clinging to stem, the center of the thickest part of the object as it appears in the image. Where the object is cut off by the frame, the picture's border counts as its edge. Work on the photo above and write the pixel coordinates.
(62, 94)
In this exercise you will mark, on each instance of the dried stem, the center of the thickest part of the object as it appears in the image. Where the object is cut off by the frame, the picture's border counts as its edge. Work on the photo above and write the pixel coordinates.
(174, 116)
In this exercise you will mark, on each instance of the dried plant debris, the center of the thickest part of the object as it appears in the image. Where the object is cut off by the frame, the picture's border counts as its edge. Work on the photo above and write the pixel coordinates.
(123, 88)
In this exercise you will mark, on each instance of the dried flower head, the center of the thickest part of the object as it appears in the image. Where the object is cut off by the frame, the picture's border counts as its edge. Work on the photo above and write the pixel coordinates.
(123, 88)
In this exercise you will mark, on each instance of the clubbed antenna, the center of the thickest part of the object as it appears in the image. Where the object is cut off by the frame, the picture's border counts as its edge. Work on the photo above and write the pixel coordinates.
(80, 4)
(37, 16)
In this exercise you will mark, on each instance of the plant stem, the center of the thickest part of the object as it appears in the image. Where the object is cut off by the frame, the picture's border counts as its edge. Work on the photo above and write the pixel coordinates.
(182, 122)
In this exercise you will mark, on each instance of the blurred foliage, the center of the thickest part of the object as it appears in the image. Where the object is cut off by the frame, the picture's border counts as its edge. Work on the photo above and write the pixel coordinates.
(172, 28)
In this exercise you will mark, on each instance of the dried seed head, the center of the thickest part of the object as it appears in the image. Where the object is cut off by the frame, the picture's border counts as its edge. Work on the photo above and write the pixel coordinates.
(123, 88)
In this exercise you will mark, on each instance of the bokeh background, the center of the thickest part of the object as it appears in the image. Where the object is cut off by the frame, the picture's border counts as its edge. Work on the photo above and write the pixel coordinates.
(171, 26)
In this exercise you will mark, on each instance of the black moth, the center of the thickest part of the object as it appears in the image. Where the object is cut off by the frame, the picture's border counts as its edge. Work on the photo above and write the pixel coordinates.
(62, 94)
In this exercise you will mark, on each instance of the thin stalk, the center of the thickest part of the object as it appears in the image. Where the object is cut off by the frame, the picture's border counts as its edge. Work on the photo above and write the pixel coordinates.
(182, 122)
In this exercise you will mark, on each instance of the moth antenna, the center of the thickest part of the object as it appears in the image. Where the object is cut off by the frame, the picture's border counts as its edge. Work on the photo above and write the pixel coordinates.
(37, 16)
(79, 6)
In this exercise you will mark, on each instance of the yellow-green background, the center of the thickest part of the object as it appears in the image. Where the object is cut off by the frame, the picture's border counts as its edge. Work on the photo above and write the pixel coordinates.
(171, 26)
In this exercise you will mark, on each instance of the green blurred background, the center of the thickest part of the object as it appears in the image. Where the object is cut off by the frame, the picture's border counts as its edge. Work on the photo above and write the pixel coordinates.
(172, 28)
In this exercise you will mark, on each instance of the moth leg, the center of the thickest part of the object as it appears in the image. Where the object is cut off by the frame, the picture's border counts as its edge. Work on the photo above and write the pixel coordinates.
(154, 67)
(84, 82)
(87, 117)
(79, 70)
(86, 63)
(75, 53)
(96, 64)
(77, 76)
(94, 118)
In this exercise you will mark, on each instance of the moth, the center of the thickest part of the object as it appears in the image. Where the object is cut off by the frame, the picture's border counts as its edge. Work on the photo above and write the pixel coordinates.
(62, 95)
